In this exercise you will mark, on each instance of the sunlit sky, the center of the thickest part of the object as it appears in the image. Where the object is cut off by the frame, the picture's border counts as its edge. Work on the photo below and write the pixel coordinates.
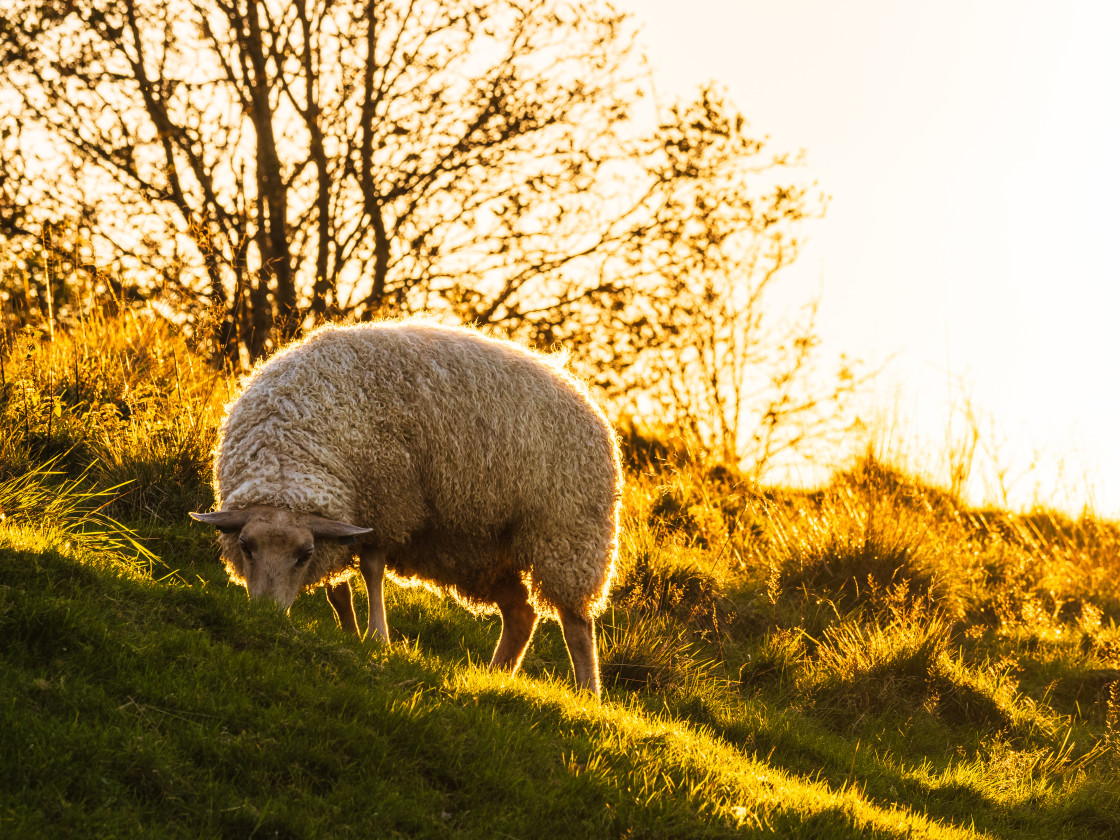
(972, 152)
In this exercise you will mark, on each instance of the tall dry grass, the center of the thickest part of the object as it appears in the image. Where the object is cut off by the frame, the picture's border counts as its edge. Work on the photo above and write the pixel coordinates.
(122, 400)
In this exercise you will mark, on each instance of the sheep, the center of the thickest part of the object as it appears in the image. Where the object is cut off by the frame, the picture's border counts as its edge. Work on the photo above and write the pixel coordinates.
(437, 454)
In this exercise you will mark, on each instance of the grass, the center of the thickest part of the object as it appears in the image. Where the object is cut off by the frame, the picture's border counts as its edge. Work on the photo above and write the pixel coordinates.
(869, 659)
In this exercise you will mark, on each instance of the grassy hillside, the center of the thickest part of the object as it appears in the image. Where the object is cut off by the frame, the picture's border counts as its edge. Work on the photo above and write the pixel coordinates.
(869, 659)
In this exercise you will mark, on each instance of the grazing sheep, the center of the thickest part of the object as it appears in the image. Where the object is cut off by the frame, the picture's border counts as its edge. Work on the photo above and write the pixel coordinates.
(460, 461)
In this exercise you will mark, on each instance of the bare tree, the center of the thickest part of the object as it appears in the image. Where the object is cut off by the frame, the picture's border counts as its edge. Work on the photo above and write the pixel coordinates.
(327, 157)
(717, 363)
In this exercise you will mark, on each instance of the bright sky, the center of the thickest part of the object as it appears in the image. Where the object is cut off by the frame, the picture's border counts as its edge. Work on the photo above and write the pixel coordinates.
(972, 152)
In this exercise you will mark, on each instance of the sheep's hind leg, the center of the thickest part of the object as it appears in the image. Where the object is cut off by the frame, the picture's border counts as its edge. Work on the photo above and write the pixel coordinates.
(371, 563)
(518, 620)
(342, 600)
(579, 636)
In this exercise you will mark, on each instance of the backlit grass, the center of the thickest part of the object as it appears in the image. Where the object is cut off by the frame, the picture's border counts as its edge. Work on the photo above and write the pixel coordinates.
(869, 659)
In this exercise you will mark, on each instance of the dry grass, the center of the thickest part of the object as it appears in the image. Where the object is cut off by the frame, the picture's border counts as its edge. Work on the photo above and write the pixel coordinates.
(123, 398)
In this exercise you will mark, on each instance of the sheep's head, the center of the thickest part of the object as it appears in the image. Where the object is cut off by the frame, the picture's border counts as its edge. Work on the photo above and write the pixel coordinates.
(273, 549)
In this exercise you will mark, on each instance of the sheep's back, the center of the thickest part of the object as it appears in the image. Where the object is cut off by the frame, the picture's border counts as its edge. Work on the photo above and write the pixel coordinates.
(495, 434)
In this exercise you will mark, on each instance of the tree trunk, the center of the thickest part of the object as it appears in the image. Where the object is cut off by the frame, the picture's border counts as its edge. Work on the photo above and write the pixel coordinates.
(272, 234)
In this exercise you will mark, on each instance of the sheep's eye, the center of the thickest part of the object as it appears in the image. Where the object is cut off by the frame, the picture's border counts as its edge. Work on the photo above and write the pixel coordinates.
(246, 550)
(304, 556)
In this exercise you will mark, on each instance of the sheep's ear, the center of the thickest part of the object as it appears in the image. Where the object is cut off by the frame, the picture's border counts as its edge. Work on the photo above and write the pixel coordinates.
(226, 521)
(344, 532)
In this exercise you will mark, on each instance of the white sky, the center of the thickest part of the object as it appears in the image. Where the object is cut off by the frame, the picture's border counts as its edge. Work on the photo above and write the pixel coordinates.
(971, 151)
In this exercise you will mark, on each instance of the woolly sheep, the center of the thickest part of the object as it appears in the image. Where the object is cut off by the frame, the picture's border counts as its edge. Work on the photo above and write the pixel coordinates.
(452, 459)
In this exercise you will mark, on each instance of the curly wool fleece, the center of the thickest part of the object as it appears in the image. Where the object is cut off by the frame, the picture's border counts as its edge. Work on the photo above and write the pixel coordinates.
(469, 457)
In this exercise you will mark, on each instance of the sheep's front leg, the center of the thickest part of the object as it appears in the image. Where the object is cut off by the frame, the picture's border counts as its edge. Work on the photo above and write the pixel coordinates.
(371, 562)
(518, 620)
(342, 599)
(579, 636)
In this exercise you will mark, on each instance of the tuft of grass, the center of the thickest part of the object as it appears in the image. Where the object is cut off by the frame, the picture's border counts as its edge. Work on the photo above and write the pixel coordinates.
(66, 511)
(120, 398)
(641, 651)
(899, 667)
(773, 661)
(851, 543)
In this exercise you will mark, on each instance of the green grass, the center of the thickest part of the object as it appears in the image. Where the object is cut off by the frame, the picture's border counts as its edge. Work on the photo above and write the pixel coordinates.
(870, 659)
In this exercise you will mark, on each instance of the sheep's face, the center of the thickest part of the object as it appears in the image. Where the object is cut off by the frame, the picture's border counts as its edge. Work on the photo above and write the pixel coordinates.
(276, 549)
(271, 549)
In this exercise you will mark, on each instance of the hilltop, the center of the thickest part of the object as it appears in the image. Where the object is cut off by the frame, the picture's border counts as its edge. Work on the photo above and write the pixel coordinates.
(869, 658)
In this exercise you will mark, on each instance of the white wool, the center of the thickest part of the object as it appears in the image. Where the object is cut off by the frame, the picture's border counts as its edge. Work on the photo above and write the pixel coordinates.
(465, 454)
